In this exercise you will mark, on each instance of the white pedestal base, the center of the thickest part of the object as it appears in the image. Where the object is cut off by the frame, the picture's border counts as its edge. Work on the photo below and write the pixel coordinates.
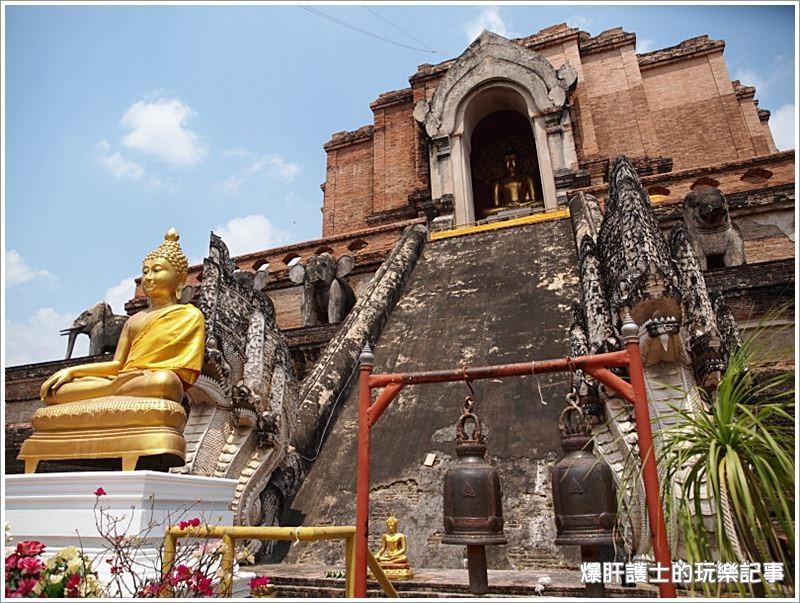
(58, 509)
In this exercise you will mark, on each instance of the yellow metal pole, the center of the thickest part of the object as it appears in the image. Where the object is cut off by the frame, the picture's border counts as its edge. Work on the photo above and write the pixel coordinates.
(350, 567)
(168, 556)
(228, 555)
(377, 571)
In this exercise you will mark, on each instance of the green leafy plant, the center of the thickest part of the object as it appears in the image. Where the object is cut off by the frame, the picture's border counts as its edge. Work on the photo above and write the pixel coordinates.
(739, 458)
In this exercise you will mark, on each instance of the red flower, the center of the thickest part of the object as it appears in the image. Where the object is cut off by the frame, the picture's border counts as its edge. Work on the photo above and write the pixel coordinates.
(99, 492)
(181, 573)
(30, 548)
(30, 565)
(71, 587)
(259, 582)
(203, 585)
(191, 523)
(11, 562)
(26, 586)
(115, 569)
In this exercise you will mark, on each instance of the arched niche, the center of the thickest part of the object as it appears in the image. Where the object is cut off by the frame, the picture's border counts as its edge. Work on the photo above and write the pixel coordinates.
(495, 74)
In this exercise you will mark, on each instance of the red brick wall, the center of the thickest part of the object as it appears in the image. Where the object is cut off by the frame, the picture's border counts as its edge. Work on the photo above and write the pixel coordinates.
(696, 113)
(348, 188)
(616, 107)
(394, 151)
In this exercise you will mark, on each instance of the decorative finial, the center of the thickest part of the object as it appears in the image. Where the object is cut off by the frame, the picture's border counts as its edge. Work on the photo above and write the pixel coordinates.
(630, 330)
(366, 356)
(171, 250)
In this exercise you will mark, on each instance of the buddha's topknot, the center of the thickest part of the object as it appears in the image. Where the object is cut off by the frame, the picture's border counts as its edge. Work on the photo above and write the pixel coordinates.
(171, 251)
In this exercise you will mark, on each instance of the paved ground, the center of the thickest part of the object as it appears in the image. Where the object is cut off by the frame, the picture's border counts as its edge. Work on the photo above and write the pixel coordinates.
(502, 582)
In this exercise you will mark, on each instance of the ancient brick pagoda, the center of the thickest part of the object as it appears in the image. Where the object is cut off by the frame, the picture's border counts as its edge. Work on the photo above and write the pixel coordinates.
(453, 264)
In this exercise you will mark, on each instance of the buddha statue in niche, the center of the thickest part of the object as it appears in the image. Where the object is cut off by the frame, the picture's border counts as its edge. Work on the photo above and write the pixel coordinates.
(392, 556)
(130, 406)
(512, 190)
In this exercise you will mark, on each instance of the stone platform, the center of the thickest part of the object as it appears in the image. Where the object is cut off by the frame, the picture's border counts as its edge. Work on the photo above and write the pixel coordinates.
(59, 509)
(309, 581)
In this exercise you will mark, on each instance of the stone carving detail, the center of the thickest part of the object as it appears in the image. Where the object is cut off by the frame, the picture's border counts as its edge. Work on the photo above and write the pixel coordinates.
(101, 325)
(246, 421)
(244, 402)
(710, 230)
(686, 335)
(327, 297)
(488, 56)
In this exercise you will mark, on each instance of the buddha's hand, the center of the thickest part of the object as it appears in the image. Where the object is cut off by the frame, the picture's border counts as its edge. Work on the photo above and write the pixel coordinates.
(56, 380)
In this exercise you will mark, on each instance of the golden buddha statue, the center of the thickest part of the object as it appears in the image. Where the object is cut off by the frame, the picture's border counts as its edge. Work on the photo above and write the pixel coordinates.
(392, 556)
(130, 406)
(513, 190)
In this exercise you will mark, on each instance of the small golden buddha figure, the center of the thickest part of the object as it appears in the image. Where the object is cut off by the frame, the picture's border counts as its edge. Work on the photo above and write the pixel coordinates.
(129, 406)
(392, 556)
(513, 190)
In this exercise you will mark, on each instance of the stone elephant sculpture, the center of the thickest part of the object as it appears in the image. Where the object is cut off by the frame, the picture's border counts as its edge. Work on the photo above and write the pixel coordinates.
(101, 325)
(327, 298)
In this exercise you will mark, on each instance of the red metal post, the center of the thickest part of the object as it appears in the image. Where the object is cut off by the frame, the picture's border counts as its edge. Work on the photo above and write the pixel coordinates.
(366, 362)
(655, 513)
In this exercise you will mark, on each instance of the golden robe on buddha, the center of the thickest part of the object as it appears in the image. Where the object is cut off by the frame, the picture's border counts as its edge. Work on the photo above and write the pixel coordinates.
(173, 340)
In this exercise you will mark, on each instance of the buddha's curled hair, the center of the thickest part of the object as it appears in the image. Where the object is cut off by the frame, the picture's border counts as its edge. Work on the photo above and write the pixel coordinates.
(171, 251)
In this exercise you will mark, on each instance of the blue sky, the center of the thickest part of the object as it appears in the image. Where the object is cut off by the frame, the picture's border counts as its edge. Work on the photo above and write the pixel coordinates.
(124, 121)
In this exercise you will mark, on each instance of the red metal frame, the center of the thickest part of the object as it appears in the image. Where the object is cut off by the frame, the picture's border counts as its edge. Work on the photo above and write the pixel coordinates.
(596, 365)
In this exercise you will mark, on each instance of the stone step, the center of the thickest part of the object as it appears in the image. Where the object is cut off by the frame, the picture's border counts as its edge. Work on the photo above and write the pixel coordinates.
(332, 587)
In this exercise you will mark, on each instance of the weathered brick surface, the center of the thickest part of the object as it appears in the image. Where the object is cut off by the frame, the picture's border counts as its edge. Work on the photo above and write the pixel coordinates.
(676, 102)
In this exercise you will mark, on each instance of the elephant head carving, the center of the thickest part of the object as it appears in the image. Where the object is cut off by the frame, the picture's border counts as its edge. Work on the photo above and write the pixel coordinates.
(327, 298)
(101, 325)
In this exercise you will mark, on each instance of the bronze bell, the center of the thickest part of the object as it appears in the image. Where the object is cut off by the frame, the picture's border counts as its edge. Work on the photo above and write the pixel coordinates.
(473, 508)
(584, 495)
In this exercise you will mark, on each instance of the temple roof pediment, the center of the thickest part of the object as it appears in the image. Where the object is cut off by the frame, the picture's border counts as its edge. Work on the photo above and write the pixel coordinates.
(493, 58)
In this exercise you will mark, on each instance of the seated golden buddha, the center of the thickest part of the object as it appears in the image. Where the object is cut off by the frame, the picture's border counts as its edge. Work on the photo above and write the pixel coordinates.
(512, 190)
(392, 556)
(129, 407)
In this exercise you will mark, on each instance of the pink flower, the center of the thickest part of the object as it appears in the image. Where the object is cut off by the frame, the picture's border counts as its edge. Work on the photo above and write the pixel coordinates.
(71, 587)
(30, 548)
(203, 585)
(100, 492)
(26, 586)
(181, 574)
(30, 565)
(259, 582)
(11, 562)
(191, 523)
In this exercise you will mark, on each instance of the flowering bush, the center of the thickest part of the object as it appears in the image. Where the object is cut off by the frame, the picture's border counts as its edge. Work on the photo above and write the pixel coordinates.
(181, 582)
(23, 569)
(261, 586)
(69, 574)
(66, 574)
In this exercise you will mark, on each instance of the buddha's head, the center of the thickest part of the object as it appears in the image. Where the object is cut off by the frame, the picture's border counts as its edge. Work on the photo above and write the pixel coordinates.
(164, 269)
(391, 524)
(511, 164)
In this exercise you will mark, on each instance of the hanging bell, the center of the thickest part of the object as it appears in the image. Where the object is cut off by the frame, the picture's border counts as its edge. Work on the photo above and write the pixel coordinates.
(584, 495)
(473, 509)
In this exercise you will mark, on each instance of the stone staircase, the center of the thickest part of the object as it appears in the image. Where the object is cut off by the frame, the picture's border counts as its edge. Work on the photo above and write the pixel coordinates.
(304, 581)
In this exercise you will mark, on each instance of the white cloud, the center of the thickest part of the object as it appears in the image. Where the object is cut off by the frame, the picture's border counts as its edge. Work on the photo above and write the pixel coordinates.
(251, 233)
(490, 19)
(120, 293)
(644, 45)
(38, 339)
(581, 22)
(748, 77)
(18, 271)
(117, 165)
(159, 129)
(782, 124)
(273, 166)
